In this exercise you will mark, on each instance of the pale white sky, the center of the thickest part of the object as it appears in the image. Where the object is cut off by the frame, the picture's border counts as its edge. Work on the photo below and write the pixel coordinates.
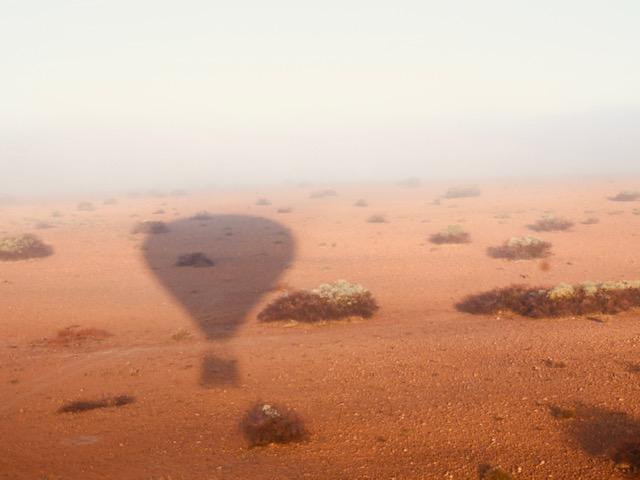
(116, 94)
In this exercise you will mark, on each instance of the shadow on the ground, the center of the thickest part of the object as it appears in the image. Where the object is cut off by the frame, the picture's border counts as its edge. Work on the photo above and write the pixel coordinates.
(249, 255)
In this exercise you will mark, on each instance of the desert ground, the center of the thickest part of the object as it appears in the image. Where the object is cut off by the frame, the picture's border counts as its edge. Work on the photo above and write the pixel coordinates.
(419, 391)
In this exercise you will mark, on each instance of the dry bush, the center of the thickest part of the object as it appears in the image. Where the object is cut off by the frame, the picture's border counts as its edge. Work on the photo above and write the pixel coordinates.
(627, 456)
(463, 192)
(494, 473)
(265, 424)
(327, 192)
(561, 300)
(202, 216)
(636, 211)
(412, 182)
(263, 202)
(74, 336)
(452, 234)
(551, 223)
(110, 201)
(86, 206)
(285, 210)
(106, 402)
(23, 247)
(42, 225)
(590, 221)
(330, 301)
(196, 259)
(377, 219)
(150, 227)
(626, 196)
(361, 203)
(521, 248)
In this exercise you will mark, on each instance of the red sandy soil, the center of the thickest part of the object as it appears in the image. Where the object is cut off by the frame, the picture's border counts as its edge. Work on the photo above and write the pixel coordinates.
(419, 391)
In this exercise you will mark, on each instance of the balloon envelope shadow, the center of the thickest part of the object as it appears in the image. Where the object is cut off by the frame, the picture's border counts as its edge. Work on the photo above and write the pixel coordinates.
(249, 255)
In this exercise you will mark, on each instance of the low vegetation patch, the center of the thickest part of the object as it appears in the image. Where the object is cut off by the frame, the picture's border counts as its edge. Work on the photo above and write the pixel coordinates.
(377, 219)
(23, 247)
(197, 259)
(494, 473)
(110, 201)
(636, 211)
(150, 227)
(327, 192)
(361, 203)
(263, 202)
(626, 196)
(106, 402)
(521, 248)
(551, 223)
(285, 210)
(86, 207)
(561, 300)
(265, 424)
(452, 234)
(330, 301)
(74, 336)
(463, 192)
(590, 221)
(202, 216)
(627, 456)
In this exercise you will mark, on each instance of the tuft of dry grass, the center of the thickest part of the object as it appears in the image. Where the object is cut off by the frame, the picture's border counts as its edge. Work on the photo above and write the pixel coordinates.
(181, 335)
(361, 203)
(74, 336)
(105, 402)
(627, 456)
(110, 201)
(561, 300)
(196, 259)
(377, 219)
(451, 235)
(202, 216)
(626, 196)
(551, 223)
(327, 192)
(463, 192)
(285, 210)
(590, 221)
(23, 247)
(150, 227)
(330, 301)
(262, 202)
(266, 424)
(521, 248)
(85, 207)
(494, 473)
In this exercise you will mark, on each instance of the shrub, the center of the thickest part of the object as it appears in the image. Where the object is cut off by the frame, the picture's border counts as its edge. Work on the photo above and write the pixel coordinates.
(86, 206)
(590, 221)
(197, 259)
(377, 219)
(627, 456)
(452, 234)
(412, 182)
(550, 223)
(202, 216)
(263, 202)
(150, 227)
(462, 192)
(23, 247)
(106, 402)
(330, 301)
(73, 336)
(327, 192)
(636, 211)
(285, 210)
(626, 196)
(361, 203)
(265, 424)
(495, 473)
(561, 300)
(521, 248)
(110, 201)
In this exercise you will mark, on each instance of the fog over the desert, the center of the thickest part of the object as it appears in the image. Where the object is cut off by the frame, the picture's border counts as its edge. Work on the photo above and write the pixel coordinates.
(113, 95)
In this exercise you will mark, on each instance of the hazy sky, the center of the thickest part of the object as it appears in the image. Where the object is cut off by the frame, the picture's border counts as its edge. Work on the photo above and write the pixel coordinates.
(113, 94)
